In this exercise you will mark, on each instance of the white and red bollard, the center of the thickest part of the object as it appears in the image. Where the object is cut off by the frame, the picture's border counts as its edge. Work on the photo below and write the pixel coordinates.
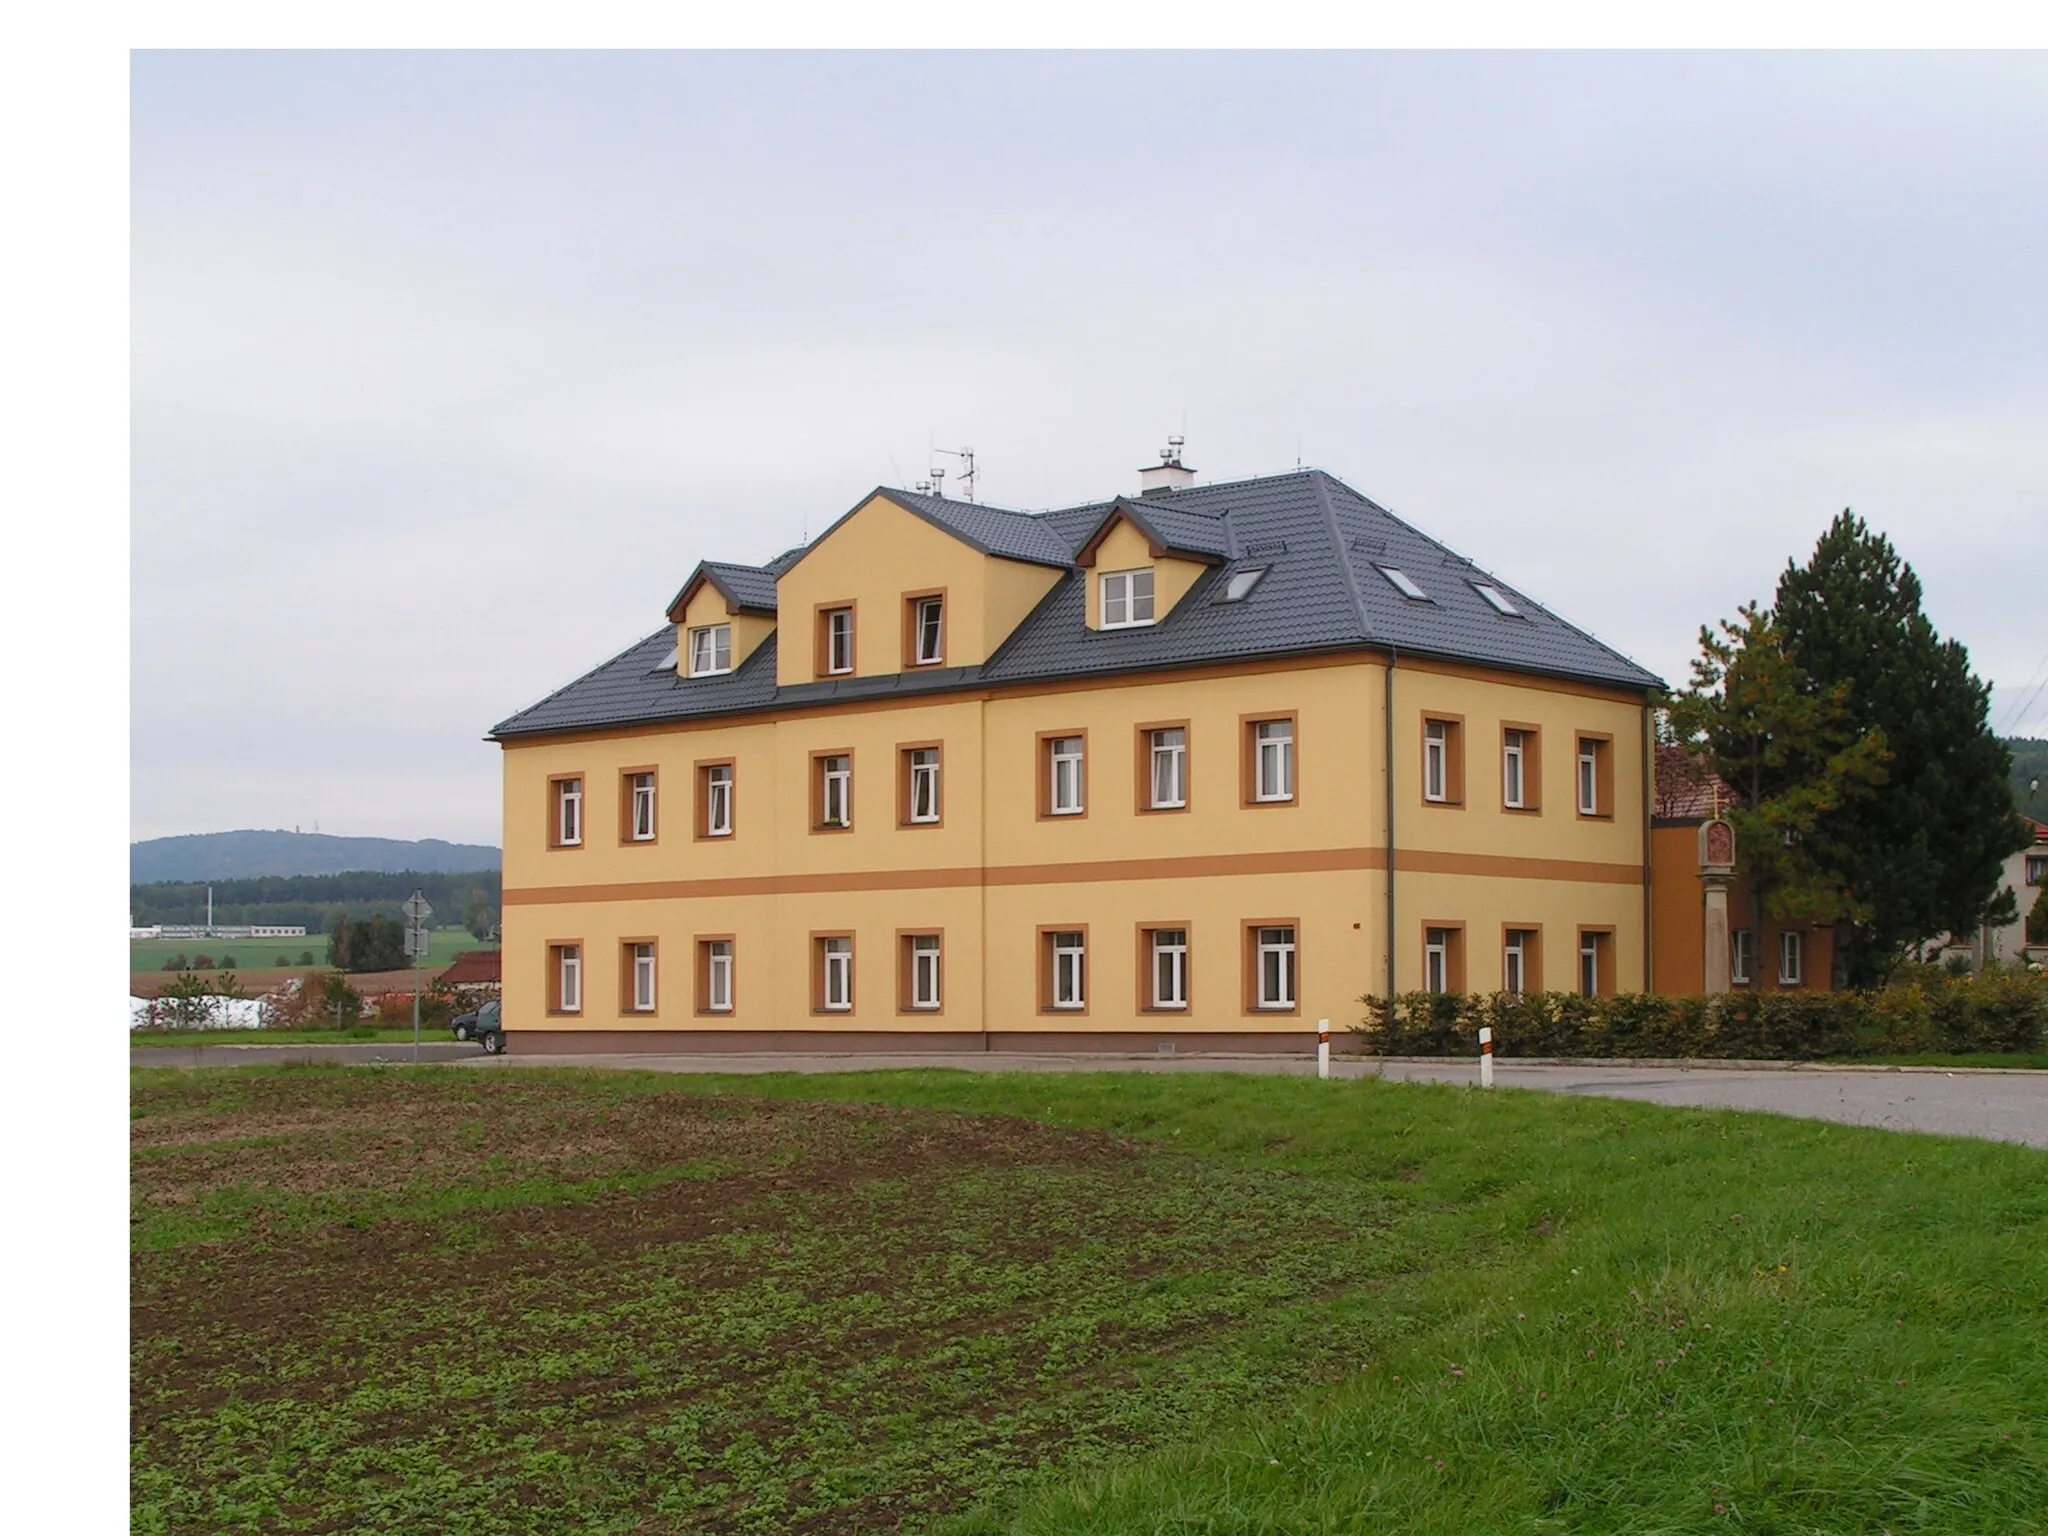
(1485, 1056)
(1322, 1047)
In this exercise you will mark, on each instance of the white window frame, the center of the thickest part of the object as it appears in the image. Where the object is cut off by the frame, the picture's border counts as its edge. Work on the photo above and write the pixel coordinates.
(1436, 761)
(1128, 595)
(1274, 992)
(838, 639)
(1791, 958)
(643, 978)
(925, 972)
(1589, 778)
(835, 785)
(2035, 870)
(1272, 761)
(1589, 964)
(569, 978)
(1168, 964)
(1066, 762)
(1069, 970)
(1170, 759)
(928, 624)
(718, 781)
(1436, 960)
(1514, 963)
(718, 975)
(643, 808)
(568, 813)
(835, 988)
(1514, 768)
(710, 650)
(1742, 956)
(924, 785)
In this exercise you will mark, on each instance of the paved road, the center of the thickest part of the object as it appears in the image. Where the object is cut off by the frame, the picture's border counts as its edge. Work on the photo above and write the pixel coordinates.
(1993, 1105)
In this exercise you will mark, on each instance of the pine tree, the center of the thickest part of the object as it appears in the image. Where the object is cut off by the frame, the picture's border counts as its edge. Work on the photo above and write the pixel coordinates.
(1923, 855)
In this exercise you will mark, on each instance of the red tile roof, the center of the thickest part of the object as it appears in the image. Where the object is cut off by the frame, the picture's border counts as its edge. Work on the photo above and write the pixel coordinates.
(473, 968)
(1686, 791)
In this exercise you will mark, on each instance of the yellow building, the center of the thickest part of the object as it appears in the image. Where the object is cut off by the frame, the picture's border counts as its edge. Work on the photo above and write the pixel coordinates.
(1195, 768)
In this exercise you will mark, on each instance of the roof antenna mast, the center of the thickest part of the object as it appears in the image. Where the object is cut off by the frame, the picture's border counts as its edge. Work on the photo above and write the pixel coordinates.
(966, 458)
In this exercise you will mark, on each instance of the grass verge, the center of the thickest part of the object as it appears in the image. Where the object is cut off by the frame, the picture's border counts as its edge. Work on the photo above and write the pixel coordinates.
(1100, 1303)
(362, 1035)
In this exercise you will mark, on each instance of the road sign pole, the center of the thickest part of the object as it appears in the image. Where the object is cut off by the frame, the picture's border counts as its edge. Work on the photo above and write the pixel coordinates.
(417, 911)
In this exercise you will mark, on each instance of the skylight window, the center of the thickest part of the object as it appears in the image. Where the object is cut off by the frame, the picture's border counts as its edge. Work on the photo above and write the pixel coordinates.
(668, 662)
(1240, 585)
(1398, 580)
(1497, 598)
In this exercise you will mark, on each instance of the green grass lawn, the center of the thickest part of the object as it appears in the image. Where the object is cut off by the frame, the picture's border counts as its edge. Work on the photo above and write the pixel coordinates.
(262, 954)
(396, 1299)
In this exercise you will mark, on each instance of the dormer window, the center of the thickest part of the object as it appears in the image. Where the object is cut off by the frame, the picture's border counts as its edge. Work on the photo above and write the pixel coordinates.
(710, 650)
(1126, 599)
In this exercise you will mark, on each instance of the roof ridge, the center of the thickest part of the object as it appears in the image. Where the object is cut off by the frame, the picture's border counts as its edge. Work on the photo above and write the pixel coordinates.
(1319, 480)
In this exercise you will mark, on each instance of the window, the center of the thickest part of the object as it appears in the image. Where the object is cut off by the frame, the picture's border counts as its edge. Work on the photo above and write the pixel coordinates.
(1436, 959)
(717, 796)
(1496, 599)
(919, 804)
(1596, 962)
(834, 791)
(1239, 586)
(1742, 957)
(710, 650)
(714, 976)
(567, 821)
(921, 974)
(1126, 599)
(1443, 759)
(565, 976)
(1271, 744)
(1520, 962)
(1595, 779)
(1272, 966)
(835, 973)
(1164, 966)
(640, 976)
(835, 642)
(1066, 782)
(1791, 959)
(639, 803)
(1066, 970)
(1165, 769)
(1513, 761)
(1399, 581)
(2037, 868)
(926, 618)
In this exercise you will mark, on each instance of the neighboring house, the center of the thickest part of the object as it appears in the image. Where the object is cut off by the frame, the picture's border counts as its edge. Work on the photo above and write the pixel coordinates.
(474, 968)
(1118, 776)
(1772, 956)
(2025, 872)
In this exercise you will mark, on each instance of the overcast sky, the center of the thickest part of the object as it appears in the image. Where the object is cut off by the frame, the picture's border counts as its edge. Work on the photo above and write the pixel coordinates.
(447, 368)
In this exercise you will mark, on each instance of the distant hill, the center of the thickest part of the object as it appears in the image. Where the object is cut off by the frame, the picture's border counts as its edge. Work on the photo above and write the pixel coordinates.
(245, 855)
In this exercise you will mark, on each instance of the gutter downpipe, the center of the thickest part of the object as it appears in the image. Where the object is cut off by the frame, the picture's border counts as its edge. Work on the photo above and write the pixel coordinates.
(1387, 733)
(1649, 843)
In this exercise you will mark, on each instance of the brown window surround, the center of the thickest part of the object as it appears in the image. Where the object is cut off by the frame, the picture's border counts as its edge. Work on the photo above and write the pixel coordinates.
(818, 790)
(626, 947)
(701, 812)
(1532, 768)
(555, 783)
(1045, 937)
(1044, 759)
(821, 630)
(1604, 972)
(1145, 978)
(910, 602)
(906, 975)
(1454, 758)
(1532, 955)
(1143, 749)
(702, 981)
(903, 751)
(1248, 758)
(1454, 952)
(818, 938)
(1248, 951)
(626, 778)
(1603, 774)
(554, 976)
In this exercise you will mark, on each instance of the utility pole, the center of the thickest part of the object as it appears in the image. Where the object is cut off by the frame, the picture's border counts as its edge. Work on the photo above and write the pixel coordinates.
(417, 937)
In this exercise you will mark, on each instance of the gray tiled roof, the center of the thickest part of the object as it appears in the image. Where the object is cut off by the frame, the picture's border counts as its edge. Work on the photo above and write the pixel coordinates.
(1319, 542)
(749, 587)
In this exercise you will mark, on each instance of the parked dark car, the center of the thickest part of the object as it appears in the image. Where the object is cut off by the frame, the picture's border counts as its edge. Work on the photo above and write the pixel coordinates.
(482, 1027)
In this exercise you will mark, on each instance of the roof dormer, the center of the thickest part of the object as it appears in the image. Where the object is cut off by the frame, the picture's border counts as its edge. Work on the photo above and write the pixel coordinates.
(721, 616)
(1140, 562)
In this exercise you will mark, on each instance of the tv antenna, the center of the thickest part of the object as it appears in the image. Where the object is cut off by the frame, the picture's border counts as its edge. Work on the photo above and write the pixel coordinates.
(966, 458)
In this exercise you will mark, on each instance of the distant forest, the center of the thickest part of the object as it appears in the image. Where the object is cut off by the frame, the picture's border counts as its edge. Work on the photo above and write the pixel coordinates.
(468, 899)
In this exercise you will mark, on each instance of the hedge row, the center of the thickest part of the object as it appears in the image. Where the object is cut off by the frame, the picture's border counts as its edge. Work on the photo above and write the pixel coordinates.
(2002, 1013)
